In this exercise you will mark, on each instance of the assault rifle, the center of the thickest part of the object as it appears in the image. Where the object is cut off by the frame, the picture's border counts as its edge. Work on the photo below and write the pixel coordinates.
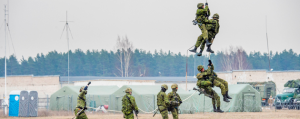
(202, 91)
(155, 111)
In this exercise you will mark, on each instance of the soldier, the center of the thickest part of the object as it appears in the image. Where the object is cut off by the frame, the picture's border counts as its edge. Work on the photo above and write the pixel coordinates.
(202, 83)
(201, 17)
(207, 74)
(129, 105)
(174, 97)
(213, 29)
(218, 81)
(81, 104)
(163, 102)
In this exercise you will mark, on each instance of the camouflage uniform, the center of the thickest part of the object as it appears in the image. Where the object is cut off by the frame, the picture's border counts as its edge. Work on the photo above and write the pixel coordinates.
(201, 18)
(128, 104)
(174, 97)
(163, 102)
(213, 29)
(222, 84)
(206, 85)
(81, 104)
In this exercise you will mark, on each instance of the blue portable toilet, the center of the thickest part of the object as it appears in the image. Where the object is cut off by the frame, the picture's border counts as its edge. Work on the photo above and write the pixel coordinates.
(14, 99)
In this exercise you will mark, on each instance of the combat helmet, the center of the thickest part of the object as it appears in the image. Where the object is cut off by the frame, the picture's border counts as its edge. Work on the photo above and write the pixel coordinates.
(128, 90)
(174, 86)
(164, 86)
(81, 88)
(200, 67)
(216, 16)
(200, 5)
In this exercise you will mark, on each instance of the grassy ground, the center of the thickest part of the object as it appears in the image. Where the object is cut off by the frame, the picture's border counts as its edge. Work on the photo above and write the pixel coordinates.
(266, 114)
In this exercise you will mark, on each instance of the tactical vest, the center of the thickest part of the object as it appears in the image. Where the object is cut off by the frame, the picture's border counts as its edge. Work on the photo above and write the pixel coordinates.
(213, 27)
(160, 99)
(127, 106)
(81, 103)
(200, 16)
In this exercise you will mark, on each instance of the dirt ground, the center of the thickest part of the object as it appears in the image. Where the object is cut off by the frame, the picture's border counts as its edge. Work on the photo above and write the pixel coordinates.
(266, 114)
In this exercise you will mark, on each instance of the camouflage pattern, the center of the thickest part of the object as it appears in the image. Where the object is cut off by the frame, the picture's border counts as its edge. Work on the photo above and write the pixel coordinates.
(128, 105)
(200, 5)
(173, 96)
(165, 86)
(200, 67)
(81, 104)
(206, 85)
(163, 103)
(128, 90)
(201, 18)
(216, 97)
(82, 115)
(216, 15)
(218, 81)
(212, 28)
(292, 83)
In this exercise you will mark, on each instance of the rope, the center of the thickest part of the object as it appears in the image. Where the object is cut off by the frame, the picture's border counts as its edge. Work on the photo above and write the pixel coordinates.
(143, 110)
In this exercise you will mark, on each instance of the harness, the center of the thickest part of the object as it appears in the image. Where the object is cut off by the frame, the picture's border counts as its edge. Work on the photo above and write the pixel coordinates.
(129, 102)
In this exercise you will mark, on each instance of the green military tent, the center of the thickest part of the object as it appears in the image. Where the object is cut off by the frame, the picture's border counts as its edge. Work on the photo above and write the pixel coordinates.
(66, 97)
(146, 97)
(245, 99)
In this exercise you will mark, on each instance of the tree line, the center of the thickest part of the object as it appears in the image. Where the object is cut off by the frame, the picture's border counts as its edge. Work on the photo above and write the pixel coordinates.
(145, 63)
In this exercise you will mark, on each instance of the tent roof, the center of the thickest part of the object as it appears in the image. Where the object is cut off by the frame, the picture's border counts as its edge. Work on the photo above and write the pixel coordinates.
(236, 88)
(149, 89)
(95, 90)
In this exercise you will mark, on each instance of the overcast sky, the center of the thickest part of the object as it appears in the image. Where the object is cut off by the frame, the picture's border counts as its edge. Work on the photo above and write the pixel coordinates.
(150, 24)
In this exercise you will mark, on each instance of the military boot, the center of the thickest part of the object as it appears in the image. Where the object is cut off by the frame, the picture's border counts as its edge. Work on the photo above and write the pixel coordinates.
(228, 97)
(209, 50)
(225, 98)
(207, 43)
(194, 50)
(219, 110)
(200, 53)
(214, 106)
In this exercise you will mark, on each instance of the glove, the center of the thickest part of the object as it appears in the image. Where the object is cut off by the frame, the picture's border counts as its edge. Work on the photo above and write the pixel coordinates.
(210, 63)
(206, 4)
(89, 83)
(84, 108)
(136, 111)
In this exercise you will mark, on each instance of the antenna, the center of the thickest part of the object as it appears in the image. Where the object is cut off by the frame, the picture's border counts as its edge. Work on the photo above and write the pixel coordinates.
(5, 24)
(268, 44)
(67, 35)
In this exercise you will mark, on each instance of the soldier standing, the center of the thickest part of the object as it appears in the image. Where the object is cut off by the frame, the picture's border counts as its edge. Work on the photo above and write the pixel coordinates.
(129, 105)
(175, 98)
(202, 83)
(81, 104)
(163, 102)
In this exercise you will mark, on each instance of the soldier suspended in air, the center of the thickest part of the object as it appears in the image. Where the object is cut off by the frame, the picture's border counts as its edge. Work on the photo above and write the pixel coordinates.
(206, 85)
(176, 101)
(211, 76)
(81, 103)
(129, 105)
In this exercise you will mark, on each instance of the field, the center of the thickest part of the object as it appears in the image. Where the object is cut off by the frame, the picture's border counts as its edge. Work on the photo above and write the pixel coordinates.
(266, 114)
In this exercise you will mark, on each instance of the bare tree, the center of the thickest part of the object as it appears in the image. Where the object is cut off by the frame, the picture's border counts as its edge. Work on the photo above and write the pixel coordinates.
(234, 59)
(124, 48)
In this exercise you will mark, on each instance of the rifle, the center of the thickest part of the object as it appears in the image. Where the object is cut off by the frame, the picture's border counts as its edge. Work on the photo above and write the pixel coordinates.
(78, 114)
(132, 107)
(202, 91)
(155, 111)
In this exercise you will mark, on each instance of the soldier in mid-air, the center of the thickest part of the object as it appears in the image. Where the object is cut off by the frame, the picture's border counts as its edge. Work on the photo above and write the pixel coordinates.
(213, 29)
(202, 21)
(204, 84)
(175, 98)
(81, 104)
(163, 102)
(211, 76)
(129, 105)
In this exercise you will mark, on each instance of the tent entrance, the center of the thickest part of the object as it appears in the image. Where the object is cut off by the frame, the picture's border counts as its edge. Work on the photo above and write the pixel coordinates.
(249, 101)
